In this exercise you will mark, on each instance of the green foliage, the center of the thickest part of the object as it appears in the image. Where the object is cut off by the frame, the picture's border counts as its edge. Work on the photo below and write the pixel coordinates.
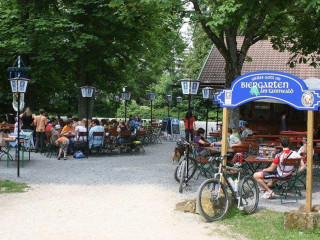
(7, 186)
(301, 35)
(264, 224)
(67, 43)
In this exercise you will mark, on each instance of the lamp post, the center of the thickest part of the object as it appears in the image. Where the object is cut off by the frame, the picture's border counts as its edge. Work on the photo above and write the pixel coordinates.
(179, 100)
(87, 92)
(117, 100)
(151, 97)
(189, 87)
(169, 98)
(207, 93)
(217, 115)
(126, 97)
(18, 77)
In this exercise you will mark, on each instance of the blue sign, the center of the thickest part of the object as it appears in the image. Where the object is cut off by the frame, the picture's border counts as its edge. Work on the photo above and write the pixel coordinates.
(175, 127)
(280, 86)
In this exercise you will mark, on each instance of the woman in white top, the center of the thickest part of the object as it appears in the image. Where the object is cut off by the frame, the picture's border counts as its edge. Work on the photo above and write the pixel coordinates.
(81, 128)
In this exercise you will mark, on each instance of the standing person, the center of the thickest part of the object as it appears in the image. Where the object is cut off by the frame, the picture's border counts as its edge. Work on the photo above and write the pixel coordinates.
(192, 125)
(40, 123)
(283, 123)
(63, 144)
(27, 119)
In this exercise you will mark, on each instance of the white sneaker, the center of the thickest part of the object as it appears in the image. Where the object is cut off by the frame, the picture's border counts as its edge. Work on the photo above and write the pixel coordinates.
(268, 195)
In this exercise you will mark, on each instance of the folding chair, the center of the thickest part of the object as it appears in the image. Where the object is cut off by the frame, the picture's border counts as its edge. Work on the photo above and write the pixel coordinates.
(288, 184)
(3, 151)
(126, 140)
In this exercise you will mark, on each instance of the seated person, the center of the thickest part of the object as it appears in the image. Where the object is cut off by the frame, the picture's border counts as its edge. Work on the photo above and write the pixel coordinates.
(233, 140)
(134, 125)
(54, 133)
(121, 127)
(202, 143)
(276, 170)
(98, 140)
(303, 149)
(235, 133)
(69, 132)
(247, 131)
(81, 128)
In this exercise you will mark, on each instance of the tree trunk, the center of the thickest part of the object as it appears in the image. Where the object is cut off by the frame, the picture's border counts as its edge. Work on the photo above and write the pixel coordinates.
(232, 72)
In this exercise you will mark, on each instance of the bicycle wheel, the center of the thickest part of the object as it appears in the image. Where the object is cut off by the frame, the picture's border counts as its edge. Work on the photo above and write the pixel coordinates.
(249, 193)
(212, 200)
(182, 174)
(192, 168)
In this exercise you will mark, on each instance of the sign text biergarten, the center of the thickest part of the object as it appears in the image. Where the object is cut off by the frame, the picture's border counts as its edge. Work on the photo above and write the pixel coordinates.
(280, 86)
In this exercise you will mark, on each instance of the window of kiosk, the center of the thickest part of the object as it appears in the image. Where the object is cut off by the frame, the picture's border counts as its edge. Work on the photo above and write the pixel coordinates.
(279, 109)
(262, 111)
(246, 111)
(297, 115)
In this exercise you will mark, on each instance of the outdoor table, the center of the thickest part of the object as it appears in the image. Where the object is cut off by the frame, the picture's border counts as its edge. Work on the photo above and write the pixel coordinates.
(254, 162)
(295, 133)
(216, 150)
(12, 142)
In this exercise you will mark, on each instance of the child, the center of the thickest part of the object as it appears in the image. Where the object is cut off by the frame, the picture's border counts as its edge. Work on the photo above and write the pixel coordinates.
(63, 143)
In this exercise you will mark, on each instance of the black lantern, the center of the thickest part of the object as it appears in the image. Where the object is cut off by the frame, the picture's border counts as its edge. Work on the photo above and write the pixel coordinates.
(189, 87)
(87, 92)
(151, 97)
(169, 98)
(125, 97)
(18, 77)
(179, 100)
(207, 94)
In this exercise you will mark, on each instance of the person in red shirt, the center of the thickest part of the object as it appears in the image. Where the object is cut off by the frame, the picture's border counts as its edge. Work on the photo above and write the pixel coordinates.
(189, 131)
(277, 170)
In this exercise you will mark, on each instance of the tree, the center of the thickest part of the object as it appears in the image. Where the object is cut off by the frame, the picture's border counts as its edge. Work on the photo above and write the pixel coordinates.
(224, 20)
(301, 37)
(107, 44)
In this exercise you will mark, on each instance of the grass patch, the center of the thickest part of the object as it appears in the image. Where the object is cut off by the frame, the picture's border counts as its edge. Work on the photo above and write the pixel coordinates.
(264, 224)
(7, 186)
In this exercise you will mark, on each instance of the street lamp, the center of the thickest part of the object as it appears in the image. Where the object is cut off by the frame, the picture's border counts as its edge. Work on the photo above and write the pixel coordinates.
(207, 93)
(169, 98)
(117, 100)
(18, 77)
(126, 97)
(87, 92)
(179, 100)
(151, 97)
(189, 87)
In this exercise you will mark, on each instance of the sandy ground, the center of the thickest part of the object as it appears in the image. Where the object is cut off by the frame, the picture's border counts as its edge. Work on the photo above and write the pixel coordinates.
(134, 199)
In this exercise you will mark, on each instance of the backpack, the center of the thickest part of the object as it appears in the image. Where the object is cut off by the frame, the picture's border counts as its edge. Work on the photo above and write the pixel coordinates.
(79, 154)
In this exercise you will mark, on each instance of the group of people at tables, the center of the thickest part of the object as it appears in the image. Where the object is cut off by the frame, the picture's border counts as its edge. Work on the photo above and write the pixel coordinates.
(66, 137)
(65, 133)
(266, 177)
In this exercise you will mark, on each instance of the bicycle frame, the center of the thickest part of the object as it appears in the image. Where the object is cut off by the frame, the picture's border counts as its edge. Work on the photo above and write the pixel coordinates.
(220, 174)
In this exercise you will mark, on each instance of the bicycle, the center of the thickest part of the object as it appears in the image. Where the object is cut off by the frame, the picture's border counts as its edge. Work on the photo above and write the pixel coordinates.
(212, 197)
(186, 169)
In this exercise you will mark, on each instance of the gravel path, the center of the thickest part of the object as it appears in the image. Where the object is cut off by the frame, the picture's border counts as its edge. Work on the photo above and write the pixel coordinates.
(110, 197)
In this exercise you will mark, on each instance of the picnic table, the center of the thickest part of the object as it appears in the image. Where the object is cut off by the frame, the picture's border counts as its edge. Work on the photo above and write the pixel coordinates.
(254, 162)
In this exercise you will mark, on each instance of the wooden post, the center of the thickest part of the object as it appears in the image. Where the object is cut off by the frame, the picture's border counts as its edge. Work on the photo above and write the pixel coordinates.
(224, 141)
(309, 161)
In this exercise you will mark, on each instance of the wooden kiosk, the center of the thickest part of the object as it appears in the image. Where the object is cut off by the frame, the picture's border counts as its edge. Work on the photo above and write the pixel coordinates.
(273, 85)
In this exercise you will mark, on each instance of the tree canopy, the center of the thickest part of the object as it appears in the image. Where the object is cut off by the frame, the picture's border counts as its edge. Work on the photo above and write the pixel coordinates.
(107, 44)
